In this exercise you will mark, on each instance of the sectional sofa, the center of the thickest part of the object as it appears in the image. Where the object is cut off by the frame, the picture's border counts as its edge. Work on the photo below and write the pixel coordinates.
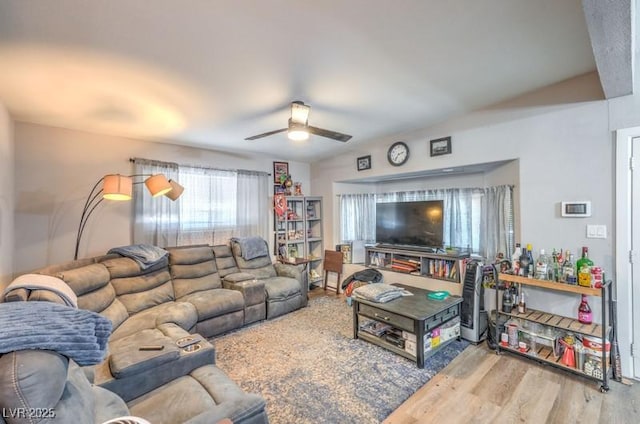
(192, 293)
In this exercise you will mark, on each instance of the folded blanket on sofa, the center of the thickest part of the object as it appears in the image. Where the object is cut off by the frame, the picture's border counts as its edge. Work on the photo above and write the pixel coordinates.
(76, 333)
(252, 247)
(380, 292)
(44, 282)
(145, 255)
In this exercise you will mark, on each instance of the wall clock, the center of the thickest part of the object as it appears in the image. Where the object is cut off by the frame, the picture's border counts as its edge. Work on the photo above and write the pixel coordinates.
(398, 153)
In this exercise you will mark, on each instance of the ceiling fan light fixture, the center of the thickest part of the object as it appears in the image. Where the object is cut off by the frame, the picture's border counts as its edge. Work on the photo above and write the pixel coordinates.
(297, 132)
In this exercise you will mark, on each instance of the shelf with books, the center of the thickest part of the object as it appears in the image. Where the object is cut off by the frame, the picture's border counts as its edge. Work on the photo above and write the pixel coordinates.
(426, 264)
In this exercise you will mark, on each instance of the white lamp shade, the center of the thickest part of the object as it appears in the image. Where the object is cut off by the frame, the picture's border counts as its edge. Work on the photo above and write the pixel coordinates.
(176, 190)
(117, 187)
(158, 185)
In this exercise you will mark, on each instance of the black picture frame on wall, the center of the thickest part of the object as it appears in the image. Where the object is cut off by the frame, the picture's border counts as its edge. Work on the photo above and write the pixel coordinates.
(440, 146)
(363, 162)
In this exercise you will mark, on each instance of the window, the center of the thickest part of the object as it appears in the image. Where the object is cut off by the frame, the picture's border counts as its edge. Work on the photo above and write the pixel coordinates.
(478, 219)
(216, 205)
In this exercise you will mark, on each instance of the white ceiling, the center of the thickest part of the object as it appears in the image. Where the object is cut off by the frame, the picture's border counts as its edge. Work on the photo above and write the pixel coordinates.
(208, 73)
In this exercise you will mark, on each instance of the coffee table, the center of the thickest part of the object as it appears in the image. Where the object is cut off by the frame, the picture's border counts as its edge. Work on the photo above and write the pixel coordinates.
(412, 316)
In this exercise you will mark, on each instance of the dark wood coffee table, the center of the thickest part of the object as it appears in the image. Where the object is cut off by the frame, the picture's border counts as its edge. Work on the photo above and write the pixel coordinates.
(416, 315)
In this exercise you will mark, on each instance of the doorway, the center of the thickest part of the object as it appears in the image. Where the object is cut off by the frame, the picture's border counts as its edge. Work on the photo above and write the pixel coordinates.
(627, 192)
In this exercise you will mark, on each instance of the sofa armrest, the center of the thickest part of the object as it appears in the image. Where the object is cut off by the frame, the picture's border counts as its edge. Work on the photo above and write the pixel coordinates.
(252, 290)
(288, 270)
(237, 277)
(17, 295)
(294, 271)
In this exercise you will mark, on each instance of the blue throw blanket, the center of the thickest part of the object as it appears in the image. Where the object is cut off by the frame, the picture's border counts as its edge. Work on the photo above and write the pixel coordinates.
(252, 247)
(76, 333)
(145, 255)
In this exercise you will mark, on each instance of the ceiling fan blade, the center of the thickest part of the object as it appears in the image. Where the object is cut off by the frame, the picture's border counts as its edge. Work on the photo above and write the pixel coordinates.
(255, 137)
(329, 134)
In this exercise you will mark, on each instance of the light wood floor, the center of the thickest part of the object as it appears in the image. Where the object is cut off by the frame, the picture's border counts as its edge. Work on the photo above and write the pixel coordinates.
(482, 387)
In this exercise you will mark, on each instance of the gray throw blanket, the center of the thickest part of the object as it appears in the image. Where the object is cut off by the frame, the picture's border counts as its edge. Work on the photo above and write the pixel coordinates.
(76, 333)
(146, 255)
(252, 247)
(380, 292)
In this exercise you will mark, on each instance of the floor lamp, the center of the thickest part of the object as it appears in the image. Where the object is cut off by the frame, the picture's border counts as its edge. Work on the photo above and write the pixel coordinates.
(120, 187)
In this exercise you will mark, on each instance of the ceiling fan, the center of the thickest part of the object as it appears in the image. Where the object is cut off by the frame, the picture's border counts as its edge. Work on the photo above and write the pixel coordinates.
(299, 128)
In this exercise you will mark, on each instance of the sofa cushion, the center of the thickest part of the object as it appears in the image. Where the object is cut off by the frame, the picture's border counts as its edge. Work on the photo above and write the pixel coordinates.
(216, 302)
(207, 395)
(144, 291)
(261, 267)
(179, 313)
(193, 269)
(279, 288)
(91, 283)
(224, 260)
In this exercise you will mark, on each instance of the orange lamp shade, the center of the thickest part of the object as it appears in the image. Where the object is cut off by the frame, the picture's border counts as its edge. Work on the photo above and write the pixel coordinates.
(176, 190)
(117, 187)
(158, 185)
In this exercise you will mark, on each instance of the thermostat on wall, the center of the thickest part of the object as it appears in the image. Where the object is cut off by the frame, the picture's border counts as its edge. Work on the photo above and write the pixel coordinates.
(576, 209)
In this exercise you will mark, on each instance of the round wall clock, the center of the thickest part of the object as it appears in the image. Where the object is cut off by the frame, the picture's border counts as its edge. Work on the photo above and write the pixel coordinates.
(398, 153)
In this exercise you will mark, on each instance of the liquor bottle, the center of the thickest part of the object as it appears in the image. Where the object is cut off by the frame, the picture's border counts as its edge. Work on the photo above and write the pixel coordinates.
(531, 262)
(542, 266)
(568, 270)
(507, 300)
(515, 259)
(556, 258)
(584, 311)
(522, 306)
(524, 263)
(583, 268)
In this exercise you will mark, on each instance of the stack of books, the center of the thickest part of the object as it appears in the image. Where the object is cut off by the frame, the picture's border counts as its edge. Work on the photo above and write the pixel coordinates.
(405, 265)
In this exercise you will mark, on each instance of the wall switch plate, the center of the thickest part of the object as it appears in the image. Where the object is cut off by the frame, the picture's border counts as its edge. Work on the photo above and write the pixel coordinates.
(597, 231)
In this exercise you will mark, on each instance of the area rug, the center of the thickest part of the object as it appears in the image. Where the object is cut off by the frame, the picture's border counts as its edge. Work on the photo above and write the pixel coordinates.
(309, 368)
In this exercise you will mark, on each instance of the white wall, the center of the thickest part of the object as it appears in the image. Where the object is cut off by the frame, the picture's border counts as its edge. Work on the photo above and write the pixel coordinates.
(560, 138)
(6, 198)
(55, 170)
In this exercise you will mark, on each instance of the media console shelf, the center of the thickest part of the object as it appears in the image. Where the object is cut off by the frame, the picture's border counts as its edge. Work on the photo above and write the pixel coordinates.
(415, 262)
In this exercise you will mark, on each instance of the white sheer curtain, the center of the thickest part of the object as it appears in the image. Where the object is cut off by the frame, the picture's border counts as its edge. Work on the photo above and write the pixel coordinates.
(496, 231)
(480, 219)
(216, 205)
(156, 220)
(253, 203)
(356, 220)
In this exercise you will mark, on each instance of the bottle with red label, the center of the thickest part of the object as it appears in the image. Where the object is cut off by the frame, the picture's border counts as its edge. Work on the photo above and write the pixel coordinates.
(584, 311)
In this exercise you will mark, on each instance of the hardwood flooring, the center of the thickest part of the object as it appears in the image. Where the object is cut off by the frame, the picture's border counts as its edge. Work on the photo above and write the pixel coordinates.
(482, 387)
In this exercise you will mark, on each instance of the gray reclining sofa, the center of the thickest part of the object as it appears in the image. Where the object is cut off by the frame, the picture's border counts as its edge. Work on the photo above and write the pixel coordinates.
(193, 291)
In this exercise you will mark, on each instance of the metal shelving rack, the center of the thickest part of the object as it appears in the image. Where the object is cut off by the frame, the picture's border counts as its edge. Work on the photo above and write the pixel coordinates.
(546, 355)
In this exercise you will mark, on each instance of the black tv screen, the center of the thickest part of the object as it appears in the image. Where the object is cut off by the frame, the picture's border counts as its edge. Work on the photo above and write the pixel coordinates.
(410, 223)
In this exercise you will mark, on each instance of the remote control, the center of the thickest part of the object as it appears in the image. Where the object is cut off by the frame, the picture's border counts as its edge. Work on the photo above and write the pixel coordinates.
(187, 341)
(151, 347)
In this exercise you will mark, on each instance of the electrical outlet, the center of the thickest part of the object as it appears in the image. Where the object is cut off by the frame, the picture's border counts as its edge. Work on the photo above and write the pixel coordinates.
(597, 231)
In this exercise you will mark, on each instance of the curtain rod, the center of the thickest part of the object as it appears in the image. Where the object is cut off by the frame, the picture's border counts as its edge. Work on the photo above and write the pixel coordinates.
(133, 160)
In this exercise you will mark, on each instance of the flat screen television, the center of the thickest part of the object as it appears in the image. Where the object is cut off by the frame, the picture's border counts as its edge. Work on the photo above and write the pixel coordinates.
(410, 223)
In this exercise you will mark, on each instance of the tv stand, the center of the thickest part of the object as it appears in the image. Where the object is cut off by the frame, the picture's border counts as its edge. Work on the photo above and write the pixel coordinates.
(416, 261)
